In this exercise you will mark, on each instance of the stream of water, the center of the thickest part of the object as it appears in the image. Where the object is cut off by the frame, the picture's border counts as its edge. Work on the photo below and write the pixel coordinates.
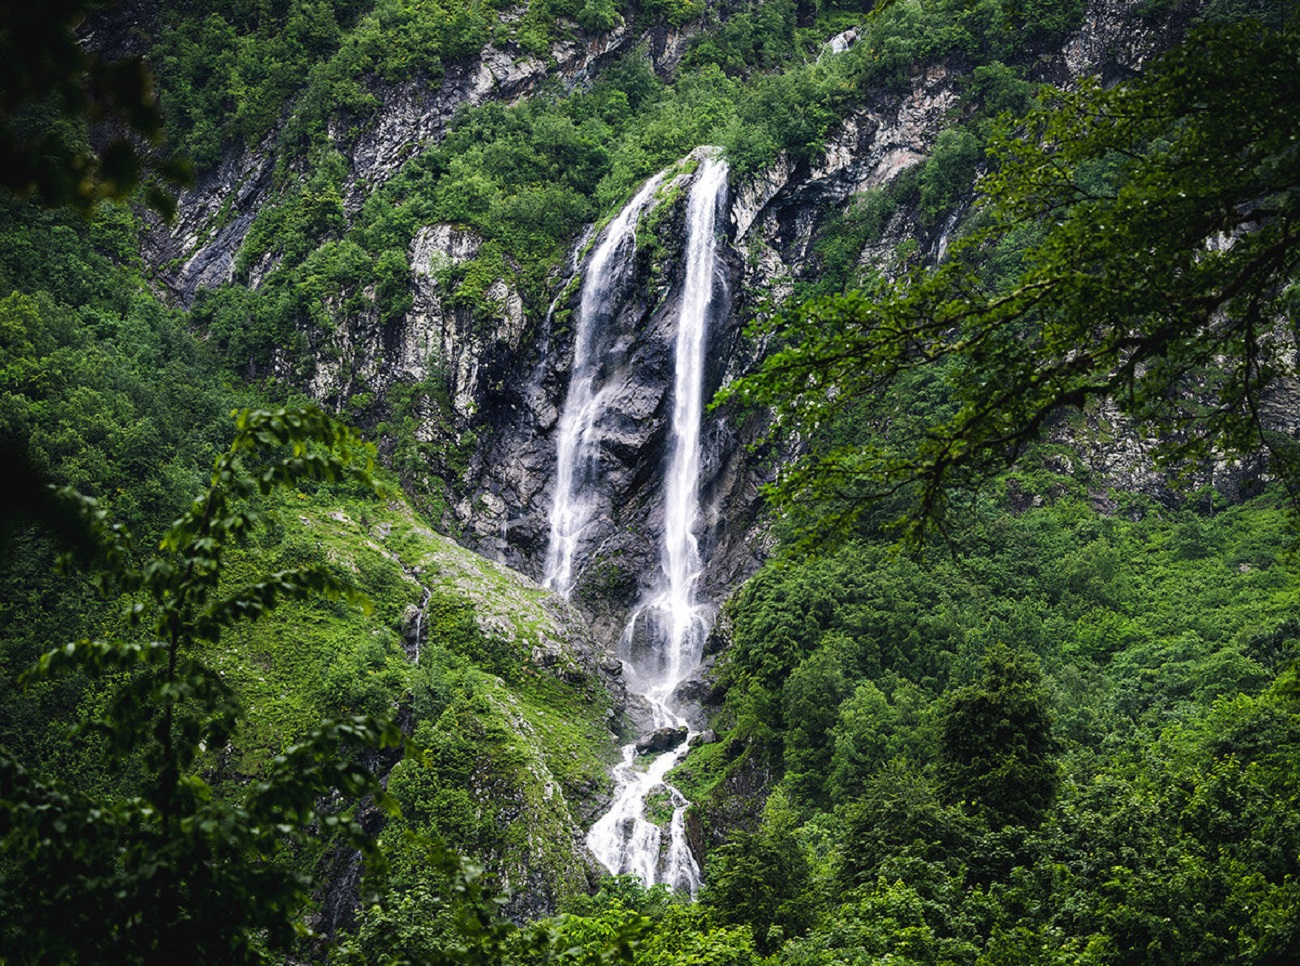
(664, 638)
(573, 504)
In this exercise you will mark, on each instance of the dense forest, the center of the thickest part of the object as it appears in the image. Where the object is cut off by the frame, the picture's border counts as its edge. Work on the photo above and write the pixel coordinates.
(997, 490)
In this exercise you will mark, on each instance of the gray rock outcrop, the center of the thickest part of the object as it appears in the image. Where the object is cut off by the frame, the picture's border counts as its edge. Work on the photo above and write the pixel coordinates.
(506, 514)
(663, 739)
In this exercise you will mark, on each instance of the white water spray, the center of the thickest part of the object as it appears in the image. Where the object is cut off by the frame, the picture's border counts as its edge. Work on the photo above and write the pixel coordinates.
(572, 506)
(664, 638)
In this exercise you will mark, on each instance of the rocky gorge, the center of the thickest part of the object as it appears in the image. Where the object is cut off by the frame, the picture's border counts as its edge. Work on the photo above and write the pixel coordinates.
(503, 361)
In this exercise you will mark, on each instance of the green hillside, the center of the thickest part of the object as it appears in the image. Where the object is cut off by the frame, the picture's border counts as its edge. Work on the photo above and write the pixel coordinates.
(1007, 671)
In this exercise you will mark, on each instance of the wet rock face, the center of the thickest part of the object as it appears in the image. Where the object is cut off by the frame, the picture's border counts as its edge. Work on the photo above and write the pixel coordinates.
(465, 350)
(508, 514)
(778, 213)
(664, 739)
(506, 365)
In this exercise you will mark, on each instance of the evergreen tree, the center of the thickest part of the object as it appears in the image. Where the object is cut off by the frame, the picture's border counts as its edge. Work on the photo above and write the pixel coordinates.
(762, 878)
(996, 746)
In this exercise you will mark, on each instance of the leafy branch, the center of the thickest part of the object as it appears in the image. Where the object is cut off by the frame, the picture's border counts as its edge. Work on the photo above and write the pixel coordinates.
(178, 868)
(1169, 212)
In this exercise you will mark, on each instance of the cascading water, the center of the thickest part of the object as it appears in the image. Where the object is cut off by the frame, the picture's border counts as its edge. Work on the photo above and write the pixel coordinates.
(664, 638)
(572, 506)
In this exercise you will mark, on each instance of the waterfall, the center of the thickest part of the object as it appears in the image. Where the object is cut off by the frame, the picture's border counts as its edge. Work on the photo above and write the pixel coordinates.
(664, 637)
(572, 506)
(419, 621)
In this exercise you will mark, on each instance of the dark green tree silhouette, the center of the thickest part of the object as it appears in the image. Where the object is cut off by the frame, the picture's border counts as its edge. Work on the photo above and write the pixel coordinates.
(996, 748)
(54, 90)
(899, 813)
(762, 878)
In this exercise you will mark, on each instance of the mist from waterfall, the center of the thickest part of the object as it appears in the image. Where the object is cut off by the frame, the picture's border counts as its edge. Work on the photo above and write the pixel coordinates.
(663, 641)
(572, 505)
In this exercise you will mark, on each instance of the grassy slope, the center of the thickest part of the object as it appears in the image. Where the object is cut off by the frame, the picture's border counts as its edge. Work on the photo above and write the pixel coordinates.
(511, 758)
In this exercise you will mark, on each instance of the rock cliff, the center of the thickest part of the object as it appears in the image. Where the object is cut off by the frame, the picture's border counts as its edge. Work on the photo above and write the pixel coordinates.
(213, 216)
(506, 513)
(504, 362)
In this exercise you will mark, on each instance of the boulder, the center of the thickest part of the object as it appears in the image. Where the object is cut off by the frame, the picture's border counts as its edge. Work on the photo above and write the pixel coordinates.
(706, 737)
(665, 739)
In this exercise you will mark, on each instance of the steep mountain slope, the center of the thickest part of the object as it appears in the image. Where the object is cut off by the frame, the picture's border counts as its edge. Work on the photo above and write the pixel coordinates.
(401, 253)
(499, 681)
(397, 215)
(445, 335)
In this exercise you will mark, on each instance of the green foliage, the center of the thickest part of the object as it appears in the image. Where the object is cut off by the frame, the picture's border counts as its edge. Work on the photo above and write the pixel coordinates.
(174, 869)
(283, 671)
(899, 814)
(865, 722)
(449, 919)
(949, 172)
(759, 878)
(995, 741)
(890, 922)
(757, 35)
(687, 935)
(453, 627)
(415, 460)
(844, 235)
(1170, 834)
(1136, 169)
(244, 328)
(102, 389)
(809, 702)
(105, 390)
(1000, 92)
(229, 75)
(887, 618)
(1050, 19)
(311, 213)
(1079, 803)
(675, 12)
(226, 73)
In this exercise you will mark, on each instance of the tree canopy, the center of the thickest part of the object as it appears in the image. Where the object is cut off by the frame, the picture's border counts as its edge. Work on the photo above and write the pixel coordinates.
(1137, 243)
(53, 90)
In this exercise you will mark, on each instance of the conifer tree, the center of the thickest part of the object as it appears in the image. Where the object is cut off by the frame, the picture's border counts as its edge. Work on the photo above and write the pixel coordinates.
(997, 751)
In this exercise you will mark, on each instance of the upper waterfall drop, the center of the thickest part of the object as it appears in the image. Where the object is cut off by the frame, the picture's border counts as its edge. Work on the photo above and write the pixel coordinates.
(681, 621)
(571, 504)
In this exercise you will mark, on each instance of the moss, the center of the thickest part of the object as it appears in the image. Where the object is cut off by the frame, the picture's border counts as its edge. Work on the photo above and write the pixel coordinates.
(700, 771)
(607, 580)
(659, 806)
(649, 227)
(510, 749)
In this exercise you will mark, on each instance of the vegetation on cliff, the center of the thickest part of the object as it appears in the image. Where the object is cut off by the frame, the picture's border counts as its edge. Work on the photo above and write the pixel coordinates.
(1074, 741)
(1112, 255)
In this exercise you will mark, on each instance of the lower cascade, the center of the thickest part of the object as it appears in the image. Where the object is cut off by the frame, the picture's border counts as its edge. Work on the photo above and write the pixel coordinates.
(663, 640)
